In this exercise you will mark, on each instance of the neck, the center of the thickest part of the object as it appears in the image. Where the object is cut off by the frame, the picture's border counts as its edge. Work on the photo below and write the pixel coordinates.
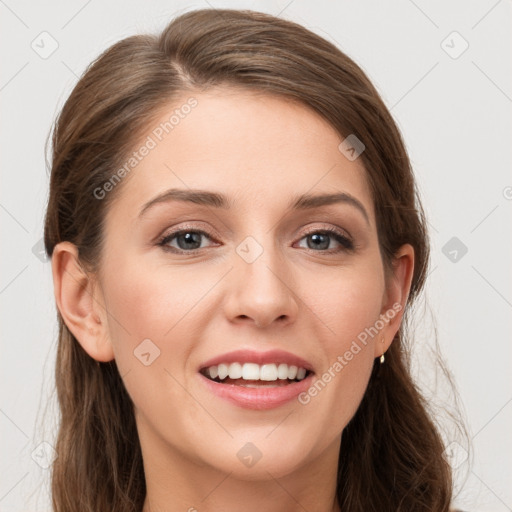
(176, 483)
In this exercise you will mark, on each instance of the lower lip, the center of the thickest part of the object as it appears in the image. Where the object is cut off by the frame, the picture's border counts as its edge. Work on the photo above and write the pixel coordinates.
(258, 398)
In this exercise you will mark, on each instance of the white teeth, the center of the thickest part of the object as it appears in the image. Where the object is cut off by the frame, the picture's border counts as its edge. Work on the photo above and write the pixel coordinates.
(250, 371)
(214, 371)
(253, 371)
(282, 371)
(268, 372)
(235, 371)
(292, 372)
(223, 371)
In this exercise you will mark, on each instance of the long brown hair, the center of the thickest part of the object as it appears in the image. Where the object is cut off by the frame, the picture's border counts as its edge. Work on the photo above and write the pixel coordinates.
(391, 455)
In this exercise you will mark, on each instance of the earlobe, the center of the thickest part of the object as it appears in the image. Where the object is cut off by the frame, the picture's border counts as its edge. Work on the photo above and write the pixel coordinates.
(76, 299)
(397, 292)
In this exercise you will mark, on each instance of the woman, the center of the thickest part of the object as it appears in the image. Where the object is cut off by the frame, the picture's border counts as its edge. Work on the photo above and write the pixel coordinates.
(236, 243)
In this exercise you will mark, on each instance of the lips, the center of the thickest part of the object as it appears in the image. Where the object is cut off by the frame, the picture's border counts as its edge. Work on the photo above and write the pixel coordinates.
(257, 380)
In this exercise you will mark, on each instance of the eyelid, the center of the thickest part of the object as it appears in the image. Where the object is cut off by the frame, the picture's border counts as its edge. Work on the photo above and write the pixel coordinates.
(187, 227)
(330, 230)
(341, 231)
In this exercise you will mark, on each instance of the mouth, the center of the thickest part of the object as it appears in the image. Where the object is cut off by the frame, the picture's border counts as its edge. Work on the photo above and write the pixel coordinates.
(253, 375)
(256, 380)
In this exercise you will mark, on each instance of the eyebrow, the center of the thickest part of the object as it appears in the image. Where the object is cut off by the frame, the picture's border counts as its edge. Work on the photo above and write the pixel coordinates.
(217, 200)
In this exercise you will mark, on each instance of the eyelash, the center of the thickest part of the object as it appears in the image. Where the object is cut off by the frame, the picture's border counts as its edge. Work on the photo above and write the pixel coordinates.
(346, 243)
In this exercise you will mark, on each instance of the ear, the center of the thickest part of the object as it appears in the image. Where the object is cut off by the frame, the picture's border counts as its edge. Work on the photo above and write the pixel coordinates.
(80, 302)
(398, 285)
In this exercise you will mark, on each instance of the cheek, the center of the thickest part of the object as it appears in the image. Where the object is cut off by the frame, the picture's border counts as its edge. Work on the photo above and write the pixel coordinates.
(150, 302)
(348, 306)
(150, 328)
(135, 327)
(347, 303)
(170, 307)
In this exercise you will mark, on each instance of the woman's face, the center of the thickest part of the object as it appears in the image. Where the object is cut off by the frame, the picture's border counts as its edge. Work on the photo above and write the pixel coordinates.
(257, 275)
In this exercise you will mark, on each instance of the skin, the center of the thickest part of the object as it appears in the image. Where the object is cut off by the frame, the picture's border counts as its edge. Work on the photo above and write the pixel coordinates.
(261, 151)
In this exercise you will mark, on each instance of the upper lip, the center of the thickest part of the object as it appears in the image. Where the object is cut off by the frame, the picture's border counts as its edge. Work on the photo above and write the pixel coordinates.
(251, 356)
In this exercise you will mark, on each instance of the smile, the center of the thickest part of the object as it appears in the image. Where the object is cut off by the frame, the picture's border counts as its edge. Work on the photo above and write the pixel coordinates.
(273, 374)
(256, 380)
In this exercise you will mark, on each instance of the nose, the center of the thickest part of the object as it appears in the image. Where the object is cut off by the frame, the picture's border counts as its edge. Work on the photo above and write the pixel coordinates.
(262, 291)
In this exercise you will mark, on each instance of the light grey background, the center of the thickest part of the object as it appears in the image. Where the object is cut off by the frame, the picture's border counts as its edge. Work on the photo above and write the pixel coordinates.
(453, 108)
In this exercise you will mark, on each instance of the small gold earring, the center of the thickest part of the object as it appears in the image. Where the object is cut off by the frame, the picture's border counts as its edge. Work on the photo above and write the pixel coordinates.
(382, 358)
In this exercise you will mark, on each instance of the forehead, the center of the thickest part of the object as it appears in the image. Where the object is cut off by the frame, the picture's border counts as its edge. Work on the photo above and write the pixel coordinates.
(260, 150)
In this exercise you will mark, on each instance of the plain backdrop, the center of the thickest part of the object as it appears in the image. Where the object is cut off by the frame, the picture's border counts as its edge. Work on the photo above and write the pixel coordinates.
(443, 69)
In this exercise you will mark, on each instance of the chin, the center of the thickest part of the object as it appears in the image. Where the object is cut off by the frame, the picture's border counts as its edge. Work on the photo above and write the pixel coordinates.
(259, 457)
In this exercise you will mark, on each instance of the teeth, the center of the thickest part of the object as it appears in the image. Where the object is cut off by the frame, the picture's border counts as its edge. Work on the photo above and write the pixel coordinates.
(268, 372)
(292, 372)
(214, 371)
(223, 371)
(235, 371)
(282, 371)
(253, 371)
(250, 371)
